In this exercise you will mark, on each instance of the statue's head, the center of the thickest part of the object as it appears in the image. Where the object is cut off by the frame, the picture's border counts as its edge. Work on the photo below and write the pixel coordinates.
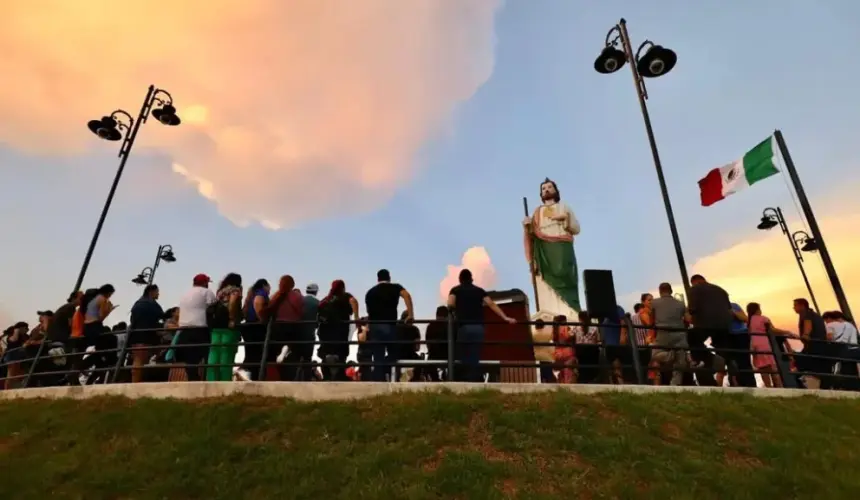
(549, 191)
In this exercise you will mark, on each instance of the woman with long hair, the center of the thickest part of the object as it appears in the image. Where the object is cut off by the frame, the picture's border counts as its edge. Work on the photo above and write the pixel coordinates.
(763, 359)
(287, 307)
(335, 311)
(254, 329)
(227, 314)
(96, 310)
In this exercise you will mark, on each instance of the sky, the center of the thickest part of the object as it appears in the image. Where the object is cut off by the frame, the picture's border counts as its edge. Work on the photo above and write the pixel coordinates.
(328, 139)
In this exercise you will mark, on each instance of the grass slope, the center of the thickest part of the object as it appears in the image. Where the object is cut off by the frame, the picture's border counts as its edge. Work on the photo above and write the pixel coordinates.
(415, 446)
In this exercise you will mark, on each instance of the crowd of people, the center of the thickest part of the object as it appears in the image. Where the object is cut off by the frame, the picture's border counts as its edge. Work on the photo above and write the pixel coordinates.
(712, 341)
(708, 341)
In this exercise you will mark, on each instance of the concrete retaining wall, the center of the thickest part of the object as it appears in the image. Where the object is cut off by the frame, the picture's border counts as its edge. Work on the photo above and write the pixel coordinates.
(320, 391)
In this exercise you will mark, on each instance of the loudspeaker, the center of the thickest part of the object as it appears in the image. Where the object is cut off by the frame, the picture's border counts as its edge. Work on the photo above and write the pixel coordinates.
(600, 293)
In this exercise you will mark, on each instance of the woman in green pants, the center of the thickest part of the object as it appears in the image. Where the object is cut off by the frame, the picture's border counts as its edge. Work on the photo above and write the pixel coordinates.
(225, 319)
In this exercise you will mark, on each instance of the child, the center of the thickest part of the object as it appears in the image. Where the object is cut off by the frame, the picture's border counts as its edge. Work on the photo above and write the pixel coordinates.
(564, 356)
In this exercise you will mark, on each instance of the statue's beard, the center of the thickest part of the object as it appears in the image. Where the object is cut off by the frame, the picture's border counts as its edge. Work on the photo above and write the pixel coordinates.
(548, 197)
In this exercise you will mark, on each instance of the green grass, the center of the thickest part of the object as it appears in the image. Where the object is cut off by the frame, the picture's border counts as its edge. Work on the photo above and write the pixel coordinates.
(415, 446)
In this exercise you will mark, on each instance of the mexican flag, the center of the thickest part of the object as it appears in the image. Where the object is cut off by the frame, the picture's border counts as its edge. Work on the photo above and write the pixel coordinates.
(757, 164)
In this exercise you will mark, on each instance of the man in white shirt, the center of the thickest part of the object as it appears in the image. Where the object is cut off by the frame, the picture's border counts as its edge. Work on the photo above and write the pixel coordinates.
(839, 330)
(844, 336)
(192, 326)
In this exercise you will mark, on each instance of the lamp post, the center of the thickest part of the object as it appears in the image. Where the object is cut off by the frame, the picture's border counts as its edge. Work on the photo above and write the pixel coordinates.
(657, 61)
(800, 242)
(120, 126)
(164, 254)
(144, 277)
(817, 238)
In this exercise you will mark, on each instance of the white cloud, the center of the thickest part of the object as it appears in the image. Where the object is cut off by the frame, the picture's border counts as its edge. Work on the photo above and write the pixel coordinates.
(293, 110)
(475, 259)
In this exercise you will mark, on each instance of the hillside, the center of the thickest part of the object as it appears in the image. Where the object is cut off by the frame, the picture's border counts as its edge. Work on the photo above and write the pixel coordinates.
(416, 446)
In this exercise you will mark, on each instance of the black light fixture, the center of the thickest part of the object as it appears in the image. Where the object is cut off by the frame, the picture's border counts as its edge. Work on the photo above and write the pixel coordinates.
(610, 60)
(767, 222)
(166, 254)
(810, 246)
(772, 217)
(166, 114)
(804, 242)
(107, 128)
(657, 61)
(143, 277)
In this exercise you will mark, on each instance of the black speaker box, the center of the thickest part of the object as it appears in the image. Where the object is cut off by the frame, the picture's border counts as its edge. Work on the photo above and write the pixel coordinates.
(599, 293)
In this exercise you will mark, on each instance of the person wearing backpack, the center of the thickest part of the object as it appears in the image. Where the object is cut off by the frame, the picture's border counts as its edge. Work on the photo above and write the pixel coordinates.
(223, 318)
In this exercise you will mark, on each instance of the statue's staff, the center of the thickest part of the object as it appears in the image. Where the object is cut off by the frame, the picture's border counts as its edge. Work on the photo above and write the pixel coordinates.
(532, 266)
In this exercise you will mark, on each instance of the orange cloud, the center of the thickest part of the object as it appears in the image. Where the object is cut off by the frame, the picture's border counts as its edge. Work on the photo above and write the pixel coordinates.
(762, 269)
(293, 110)
(475, 259)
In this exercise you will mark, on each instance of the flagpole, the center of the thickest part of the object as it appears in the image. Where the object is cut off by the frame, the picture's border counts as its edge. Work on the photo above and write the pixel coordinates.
(813, 226)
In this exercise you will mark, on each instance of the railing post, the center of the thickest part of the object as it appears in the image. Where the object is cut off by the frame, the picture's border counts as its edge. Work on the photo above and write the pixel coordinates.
(451, 339)
(35, 361)
(634, 348)
(782, 366)
(121, 360)
(261, 376)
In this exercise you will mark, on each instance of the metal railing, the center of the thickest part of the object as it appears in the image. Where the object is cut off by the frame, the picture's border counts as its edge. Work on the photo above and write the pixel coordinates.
(30, 363)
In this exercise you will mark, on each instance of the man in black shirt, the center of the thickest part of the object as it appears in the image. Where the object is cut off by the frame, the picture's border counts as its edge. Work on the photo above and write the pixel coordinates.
(437, 341)
(711, 314)
(467, 302)
(381, 302)
(60, 327)
(813, 333)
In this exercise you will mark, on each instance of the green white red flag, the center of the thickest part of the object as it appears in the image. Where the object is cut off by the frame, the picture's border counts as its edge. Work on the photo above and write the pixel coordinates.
(759, 163)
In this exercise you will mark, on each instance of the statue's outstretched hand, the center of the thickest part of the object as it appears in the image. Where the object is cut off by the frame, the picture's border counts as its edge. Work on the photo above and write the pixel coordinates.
(527, 221)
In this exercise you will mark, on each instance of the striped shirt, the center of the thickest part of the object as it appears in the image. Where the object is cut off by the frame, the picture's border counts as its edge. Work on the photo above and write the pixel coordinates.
(641, 333)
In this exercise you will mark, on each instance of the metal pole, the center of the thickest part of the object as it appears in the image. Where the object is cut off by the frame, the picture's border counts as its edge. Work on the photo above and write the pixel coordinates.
(123, 154)
(34, 362)
(798, 256)
(155, 266)
(451, 339)
(634, 349)
(789, 381)
(261, 376)
(642, 94)
(813, 226)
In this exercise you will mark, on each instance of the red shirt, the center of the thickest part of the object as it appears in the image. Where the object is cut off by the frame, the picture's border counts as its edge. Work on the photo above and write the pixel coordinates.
(291, 308)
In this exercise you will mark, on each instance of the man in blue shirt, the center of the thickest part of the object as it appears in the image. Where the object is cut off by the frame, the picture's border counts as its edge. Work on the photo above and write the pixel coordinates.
(617, 355)
(739, 361)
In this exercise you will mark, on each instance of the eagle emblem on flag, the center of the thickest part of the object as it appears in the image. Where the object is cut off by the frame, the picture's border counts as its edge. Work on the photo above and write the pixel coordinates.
(732, 175)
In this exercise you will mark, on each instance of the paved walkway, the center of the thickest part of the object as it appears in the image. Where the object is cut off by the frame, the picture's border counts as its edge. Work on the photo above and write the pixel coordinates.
(319, 391)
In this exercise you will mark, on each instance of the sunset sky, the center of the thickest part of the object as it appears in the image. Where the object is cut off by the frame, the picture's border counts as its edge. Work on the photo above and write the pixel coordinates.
(327, 139)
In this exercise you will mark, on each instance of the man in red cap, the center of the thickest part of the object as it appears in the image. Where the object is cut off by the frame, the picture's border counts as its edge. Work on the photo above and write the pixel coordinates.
(192, 326)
